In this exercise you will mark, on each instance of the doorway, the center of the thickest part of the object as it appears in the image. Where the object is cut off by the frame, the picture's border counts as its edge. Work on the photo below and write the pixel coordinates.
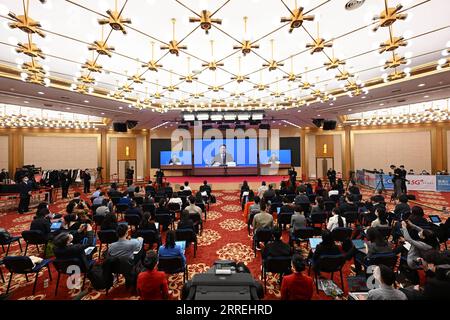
(322, 166)
(123, 165)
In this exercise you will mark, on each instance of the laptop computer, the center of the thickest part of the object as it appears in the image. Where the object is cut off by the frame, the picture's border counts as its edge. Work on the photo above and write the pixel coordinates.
(359, 244)
(278, 210)
(89, 250)
(313, 242)
(55, 226)
(181, 244)
(435, 219)
(358, 295)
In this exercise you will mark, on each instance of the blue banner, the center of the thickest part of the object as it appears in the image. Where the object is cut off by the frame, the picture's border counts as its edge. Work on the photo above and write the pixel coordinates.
(443, 183)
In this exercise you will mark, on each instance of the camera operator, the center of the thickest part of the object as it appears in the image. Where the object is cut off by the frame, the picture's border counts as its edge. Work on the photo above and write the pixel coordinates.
(397, 181)
(403, 176)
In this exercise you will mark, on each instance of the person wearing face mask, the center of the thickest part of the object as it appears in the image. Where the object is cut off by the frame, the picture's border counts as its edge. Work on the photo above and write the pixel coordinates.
(25, 195)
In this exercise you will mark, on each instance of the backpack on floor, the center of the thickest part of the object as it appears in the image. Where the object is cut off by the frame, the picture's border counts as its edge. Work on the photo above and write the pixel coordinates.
(100, 280)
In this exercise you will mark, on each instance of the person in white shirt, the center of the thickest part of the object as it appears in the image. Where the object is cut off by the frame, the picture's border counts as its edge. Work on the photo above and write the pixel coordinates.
(336, 220)
(263, 188)
(176, 199)
(386, 290)
(96, 192)
(192, 208)
(186, 186)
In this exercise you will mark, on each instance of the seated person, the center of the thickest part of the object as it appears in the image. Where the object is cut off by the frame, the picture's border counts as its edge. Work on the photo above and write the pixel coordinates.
(297, 286)
(326, 247)
(192, 208)
(336, 220)
(276, 248)
(269, 194)
(124, 248)
(125, 200)
(381, 220)
(250, 201)
(168, 190)
(147, 223)
(170, 249)
(386, 291)
(133, 209)
(347, 204)
(244, 188)
(185, 221)
(139, 192)
(262, 219)
(402, 209)
(96, 193)
(298, 219)
(109, 222)
(162, 210)
(186, 186)
(98, 200)
(150, 189)
(103, 209)
(334, 191)
(301, 198)
(176, 199)
(205, 188)
(152, 284)
(376, 244)
(319, 208)
(41, 222)
(253, 209)
(65, 249)
(263, 188)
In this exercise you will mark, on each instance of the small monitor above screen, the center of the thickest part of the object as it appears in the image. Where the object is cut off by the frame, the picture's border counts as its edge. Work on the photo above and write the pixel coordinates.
(176, 158)
(275, 157)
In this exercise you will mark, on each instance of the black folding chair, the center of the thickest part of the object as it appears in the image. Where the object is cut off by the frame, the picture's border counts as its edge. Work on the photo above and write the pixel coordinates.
(35, 237)
(98, 219)
(385, 232)
(341, 234)
(24, 265)
(301, 235)
(150, 237)
(8, 241)
(351, 217)
(133, 220)
(280, 265)
(106, 237)
(329, 264)
(284, 218)
(201, 205)
(62, 267)
(165, 220)
(261, 235)
(173, 265)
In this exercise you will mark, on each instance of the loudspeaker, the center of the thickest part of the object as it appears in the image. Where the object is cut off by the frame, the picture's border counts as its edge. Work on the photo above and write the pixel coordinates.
(131, 124)
(318, 122)
(329, 125)
(264, 126)
(120, 127)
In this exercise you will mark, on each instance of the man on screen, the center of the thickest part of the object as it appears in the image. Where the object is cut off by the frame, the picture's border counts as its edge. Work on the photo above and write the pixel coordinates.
(223, 157)
(273, 159)
(174, 159)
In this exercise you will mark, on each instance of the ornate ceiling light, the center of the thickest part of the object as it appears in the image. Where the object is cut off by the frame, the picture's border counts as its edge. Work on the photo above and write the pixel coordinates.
(80, 88)
(197, 95)
(343, 75)
(305, 85)
(297, 17)
(333, 63)
(115, 20)
(127, 88)
(246, 45)
(25, 22)
(396, 75)
(152, 65)
(277, 93)
(86, 79)
(273, 65)
(239, 78)
(92, 65)
(318, 44)
(395, 61)
(30, 49)
(292, 76)
(157, 95)
(189, 78)
(173, 47)
(388, 16)
(171, 87)
(33, 67)
(213, 64)
(392, 44)
(206, 20)
(101, 47)
(36, 78)
(137, 78)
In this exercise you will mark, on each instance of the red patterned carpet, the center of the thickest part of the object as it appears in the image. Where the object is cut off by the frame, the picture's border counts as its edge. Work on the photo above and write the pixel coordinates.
(224, 237)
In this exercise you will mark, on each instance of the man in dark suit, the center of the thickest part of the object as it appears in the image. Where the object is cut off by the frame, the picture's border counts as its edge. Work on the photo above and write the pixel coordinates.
(25, 195)
(223, 157)
(292, 176)
(129, 176)
(87, 181)
(331, 174)
(276, 248)
(65, 184)
(159, 177)
(403, 177)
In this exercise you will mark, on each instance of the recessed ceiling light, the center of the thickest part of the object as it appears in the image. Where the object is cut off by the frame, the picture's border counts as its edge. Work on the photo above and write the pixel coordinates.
(40, 92)
(67, 108)
(12, 89)
(332, 104)
(102, 113)
(86, 101)
(363, 97)
(426, 96)
(120, 108)
(26, 101)
(421, 85)
(349, 109)
(318, 115)
(381, 104)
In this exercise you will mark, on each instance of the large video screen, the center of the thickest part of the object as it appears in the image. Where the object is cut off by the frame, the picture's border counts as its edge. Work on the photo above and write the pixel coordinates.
(176, 158)
(275, 156)
(229, 152)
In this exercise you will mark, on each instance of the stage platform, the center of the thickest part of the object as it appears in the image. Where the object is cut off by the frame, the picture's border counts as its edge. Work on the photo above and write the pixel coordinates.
(226, 183)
